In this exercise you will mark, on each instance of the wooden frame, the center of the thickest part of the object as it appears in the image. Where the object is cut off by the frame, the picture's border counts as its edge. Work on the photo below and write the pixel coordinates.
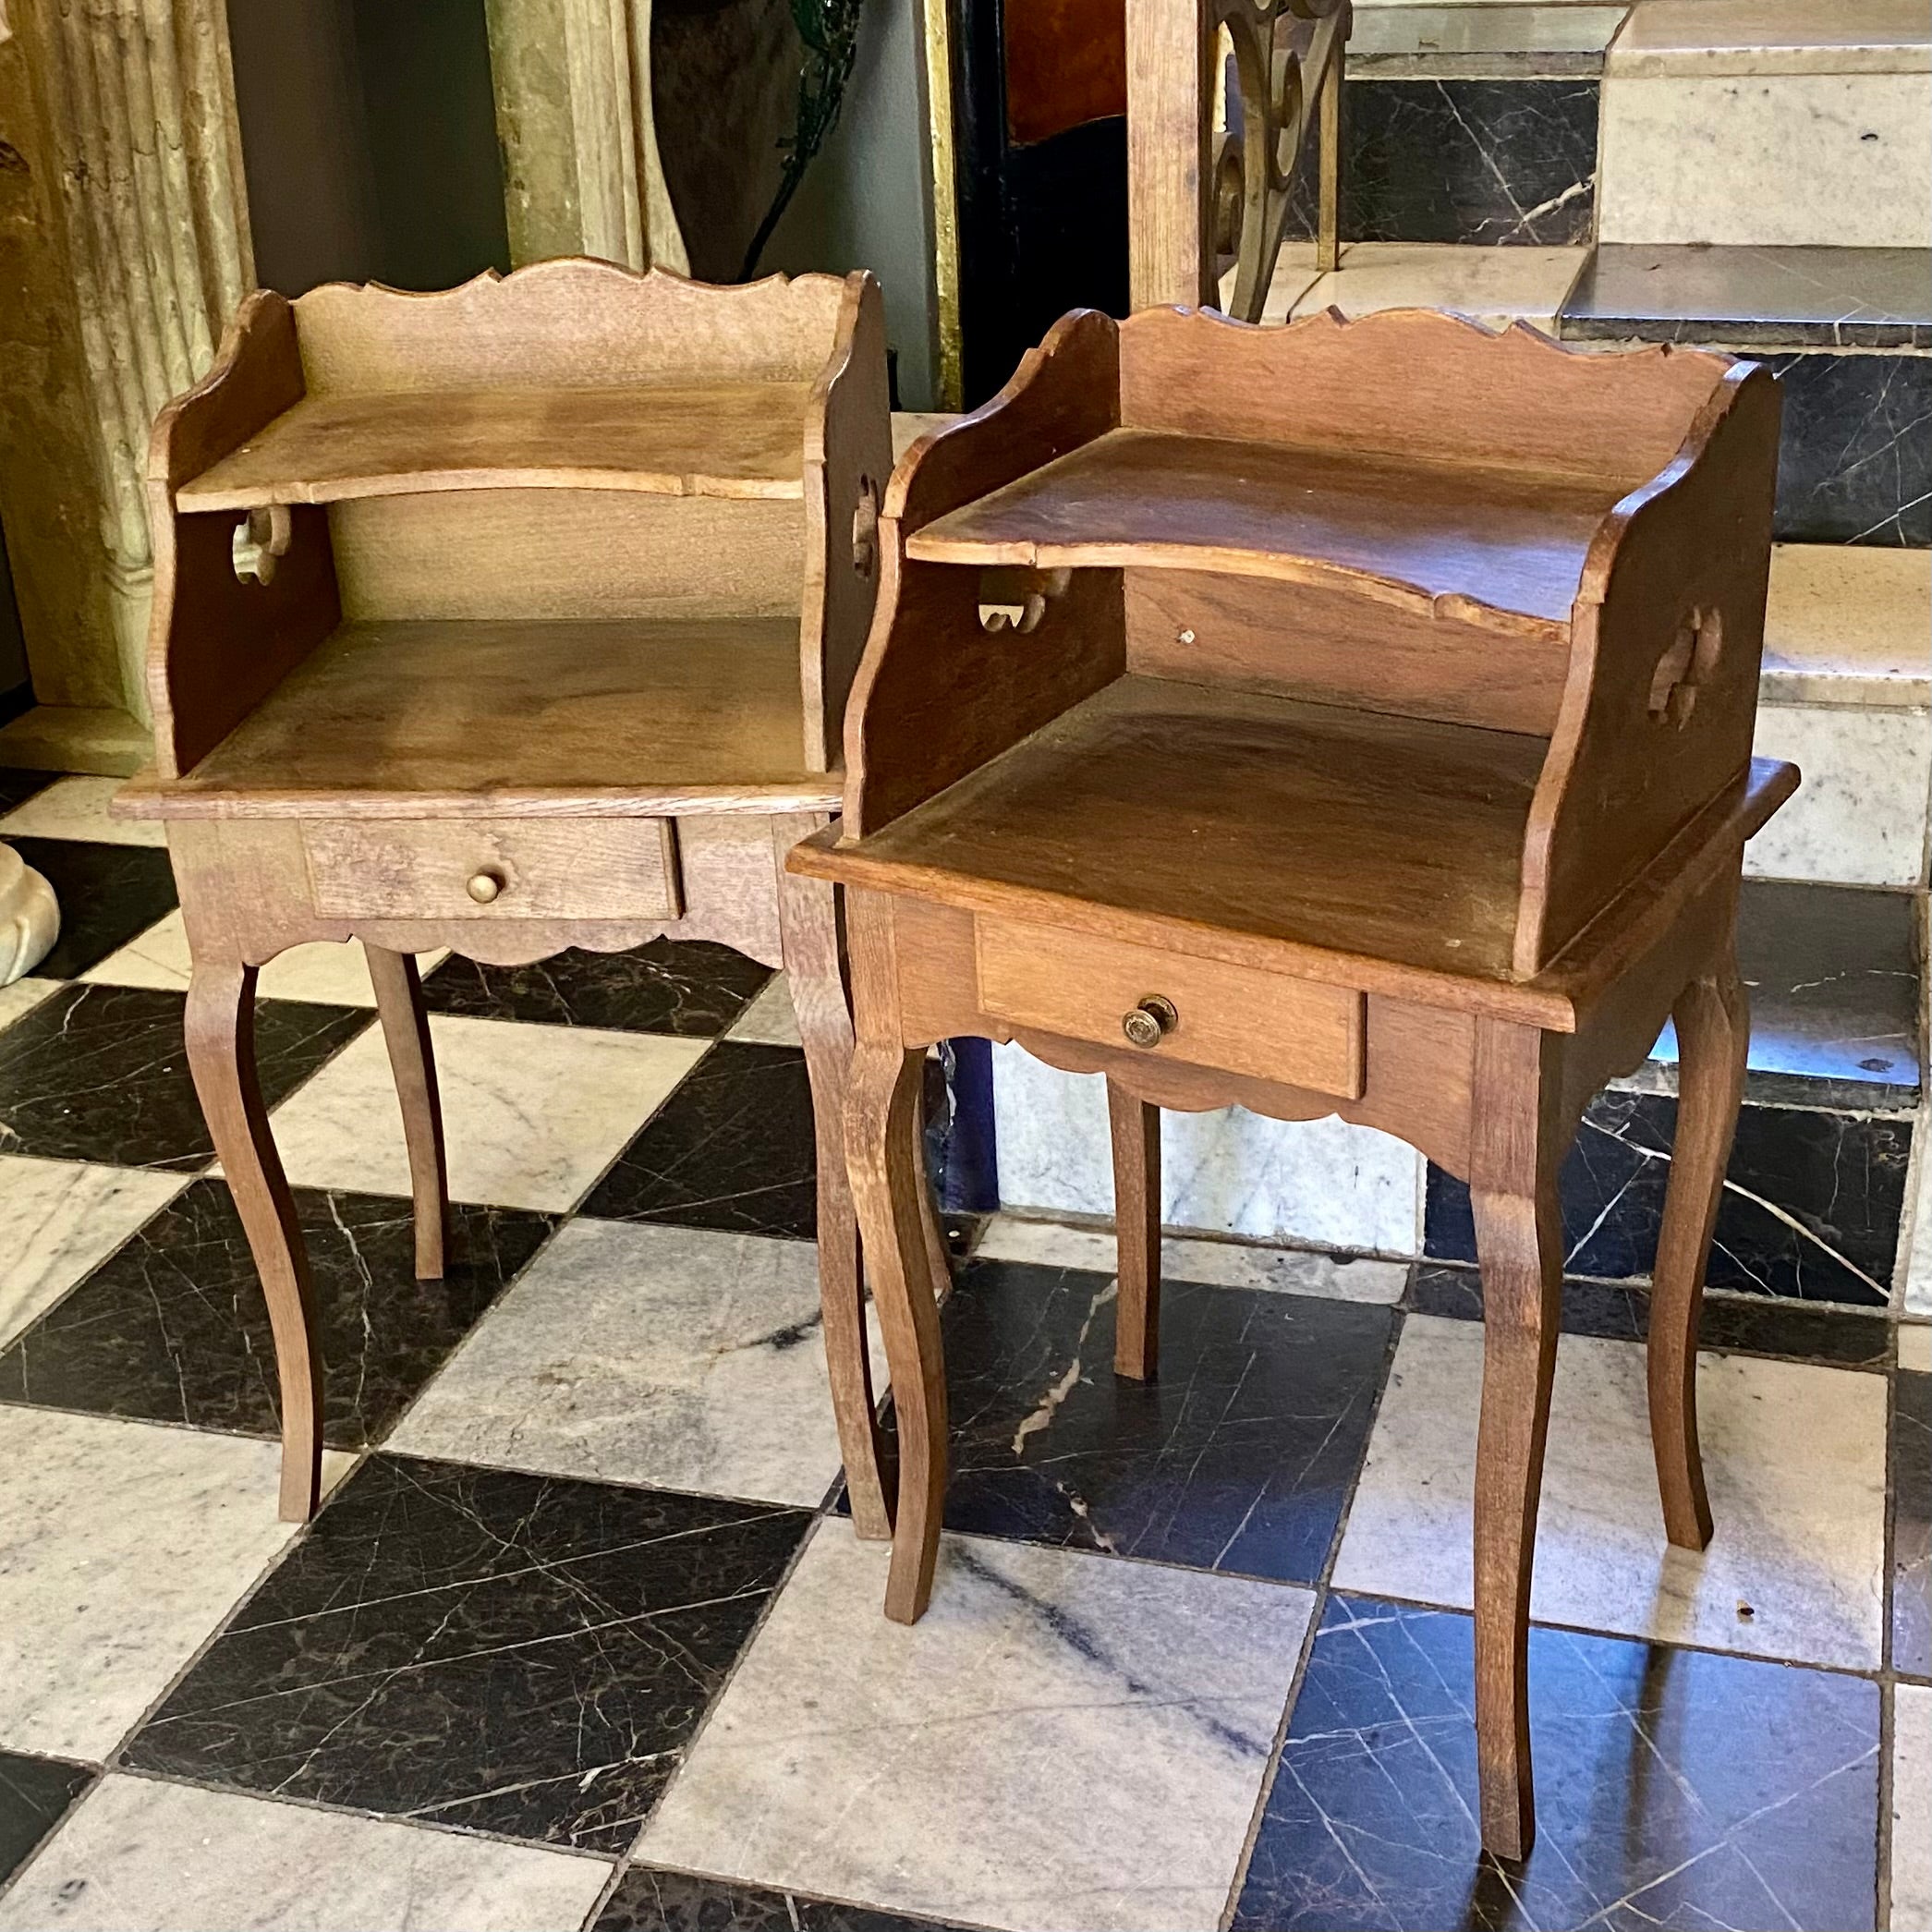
(1380, 704)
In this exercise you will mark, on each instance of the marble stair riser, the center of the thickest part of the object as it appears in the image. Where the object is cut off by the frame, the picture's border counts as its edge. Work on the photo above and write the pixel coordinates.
(1860, 816)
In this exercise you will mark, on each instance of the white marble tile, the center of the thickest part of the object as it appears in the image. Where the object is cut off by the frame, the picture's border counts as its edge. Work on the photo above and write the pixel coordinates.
(1918, 1260)
(122, 1546)
(769, 1020)
(1911, 1807)
(1294, 274)
(330, 974)
(682, 1358)
(1495, 286)
(1223, 1264)
(532, 1114)
(1842, 159)
(1430, 27)
(1799, 1534)
(77, 808)
(1063, 1743)
(1859, 817)
(1847, 624)
(59, 1220)
(1915, 1346)
(1761, 37)
(138, 1855)
(1231, 1173)
(23, 996)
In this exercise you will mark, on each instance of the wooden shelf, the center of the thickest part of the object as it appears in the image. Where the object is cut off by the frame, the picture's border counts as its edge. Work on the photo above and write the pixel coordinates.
(1503, 547)
(432, 719)
(733, 440)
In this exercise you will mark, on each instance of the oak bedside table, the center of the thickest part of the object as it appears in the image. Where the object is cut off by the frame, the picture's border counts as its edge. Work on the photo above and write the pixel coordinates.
(1343, 718)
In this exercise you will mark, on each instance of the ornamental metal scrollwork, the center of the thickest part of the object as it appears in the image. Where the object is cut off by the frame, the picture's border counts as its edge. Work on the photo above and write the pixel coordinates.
(1284, 52)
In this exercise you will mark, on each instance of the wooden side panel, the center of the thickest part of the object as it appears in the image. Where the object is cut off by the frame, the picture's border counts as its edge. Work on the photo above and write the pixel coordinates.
(1658, 717)
(1332, 646)
(1170, 51)
(1411, 382)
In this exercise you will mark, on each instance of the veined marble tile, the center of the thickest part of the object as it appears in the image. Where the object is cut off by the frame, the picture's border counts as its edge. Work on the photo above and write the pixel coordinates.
(1912, 1513)
(122, 1546)
(691, 987)
(1226, 1264)
(173, 1858)
(648, 1899)
(1061, 1744)
(685, 1357)
(1799, 1534)
(1848, 624)
(769, 1020)
(1231, 1171)
(77, 808)
(1495, 286)
(1911, 1807)
(532, 1114)
(1915, 1347)
(324, 973)
(107, 894)
(59, 1220)
(1918, 1265)
(1432, 29)
(23, 996)
(34, 1792)
(1786, 160)
(1854, 460)
(1763, 37)
(1859, 817)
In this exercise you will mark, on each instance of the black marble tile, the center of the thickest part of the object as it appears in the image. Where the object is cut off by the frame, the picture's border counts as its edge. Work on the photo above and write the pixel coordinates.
(686, 987)
(34, 1793)
(1674, 1787)
(1811, 1209)
(98, 1072)
(1238, 1456)
(1619, 1311)
(1854, 462)
(172, 1326)
(18, 785)
(1465, 161)
(517, 1654)
(648, 1899)
(108, 895)
(1753, 297)
(732, 1148)
(1911, 1491)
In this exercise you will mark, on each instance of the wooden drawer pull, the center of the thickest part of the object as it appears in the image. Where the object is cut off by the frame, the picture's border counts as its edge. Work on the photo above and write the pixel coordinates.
(1150, 1022)
(485, 885)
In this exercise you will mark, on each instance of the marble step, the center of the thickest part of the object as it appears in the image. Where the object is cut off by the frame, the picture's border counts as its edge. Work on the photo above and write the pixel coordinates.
(1768, 122)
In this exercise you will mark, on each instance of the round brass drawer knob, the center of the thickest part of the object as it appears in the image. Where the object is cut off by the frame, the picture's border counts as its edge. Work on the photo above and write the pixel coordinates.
(485, 886)
(1150, 1022)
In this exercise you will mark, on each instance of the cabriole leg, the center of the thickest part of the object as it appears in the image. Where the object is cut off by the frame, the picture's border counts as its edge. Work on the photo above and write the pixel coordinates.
(406, 1030)
(1136, 1131)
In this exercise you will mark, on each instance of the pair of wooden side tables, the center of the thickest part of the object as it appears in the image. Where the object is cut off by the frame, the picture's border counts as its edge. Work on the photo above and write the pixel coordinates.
(1338, 719)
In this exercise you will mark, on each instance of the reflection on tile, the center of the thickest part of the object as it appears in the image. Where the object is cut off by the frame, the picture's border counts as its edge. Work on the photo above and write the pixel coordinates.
(1918, 1267)
(1911, 1807)
(1062, 1743)
(542, 1653)
(1912, 1522)
(1349, 1278)
(1796, 1568)
(731, 1148)
(1811, 1207)
(1859, 817)
(1674, 1788)
(1496, 285)
(1848, 623)
(122, 1545)
(1229, 1172)
(532, 1114)
(57, 1220)
(1238, 1456)
(688, 986)
(98, 1072)
(769, 1019)
(174, 1327)
(686, 1357)
(648, 1899)
(18, 784)
(107, 894)
(77, 808)
(1760, 37)
(34, 1792)
(170, 1858)
(23, 996)
(1854, 460)
(325, 972)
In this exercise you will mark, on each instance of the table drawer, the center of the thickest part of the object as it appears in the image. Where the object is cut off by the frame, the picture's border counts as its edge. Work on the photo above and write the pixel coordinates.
(493, 869)
(1240, 1020)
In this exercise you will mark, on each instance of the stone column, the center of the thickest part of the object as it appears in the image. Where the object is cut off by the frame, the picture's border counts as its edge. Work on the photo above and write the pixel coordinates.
(124, 250)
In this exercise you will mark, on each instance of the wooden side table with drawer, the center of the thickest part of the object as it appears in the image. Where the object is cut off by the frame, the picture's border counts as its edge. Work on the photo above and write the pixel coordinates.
(509, 619)
(1361, 725)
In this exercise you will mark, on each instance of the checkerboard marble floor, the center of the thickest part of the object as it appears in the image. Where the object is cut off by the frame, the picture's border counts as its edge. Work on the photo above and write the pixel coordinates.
(581, 1638)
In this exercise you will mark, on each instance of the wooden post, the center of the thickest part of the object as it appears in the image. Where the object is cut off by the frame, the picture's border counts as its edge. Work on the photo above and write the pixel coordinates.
(1170, 91)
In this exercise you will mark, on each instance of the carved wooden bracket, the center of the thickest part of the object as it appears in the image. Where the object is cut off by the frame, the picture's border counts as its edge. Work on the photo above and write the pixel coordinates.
(260, 538)
(1687, 662)
(1018, 596)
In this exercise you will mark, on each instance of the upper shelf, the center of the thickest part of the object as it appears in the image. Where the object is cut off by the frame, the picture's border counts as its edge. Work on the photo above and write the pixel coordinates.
(733, 440)
(1505, 547)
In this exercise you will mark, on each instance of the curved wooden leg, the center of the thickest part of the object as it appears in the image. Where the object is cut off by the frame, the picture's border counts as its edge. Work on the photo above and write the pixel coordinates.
(938, 1264)
(220, 1027)
(1713, 1038)
(1519, 1242)
(1135, 1128)
(406, 1029)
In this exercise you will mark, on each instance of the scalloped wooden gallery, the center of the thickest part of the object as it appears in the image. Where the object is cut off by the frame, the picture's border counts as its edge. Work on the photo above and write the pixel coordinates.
(509, 619)
(1379, 746)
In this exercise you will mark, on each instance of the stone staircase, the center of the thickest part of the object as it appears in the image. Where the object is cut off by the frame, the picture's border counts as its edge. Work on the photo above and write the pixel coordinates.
(1762, 183)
